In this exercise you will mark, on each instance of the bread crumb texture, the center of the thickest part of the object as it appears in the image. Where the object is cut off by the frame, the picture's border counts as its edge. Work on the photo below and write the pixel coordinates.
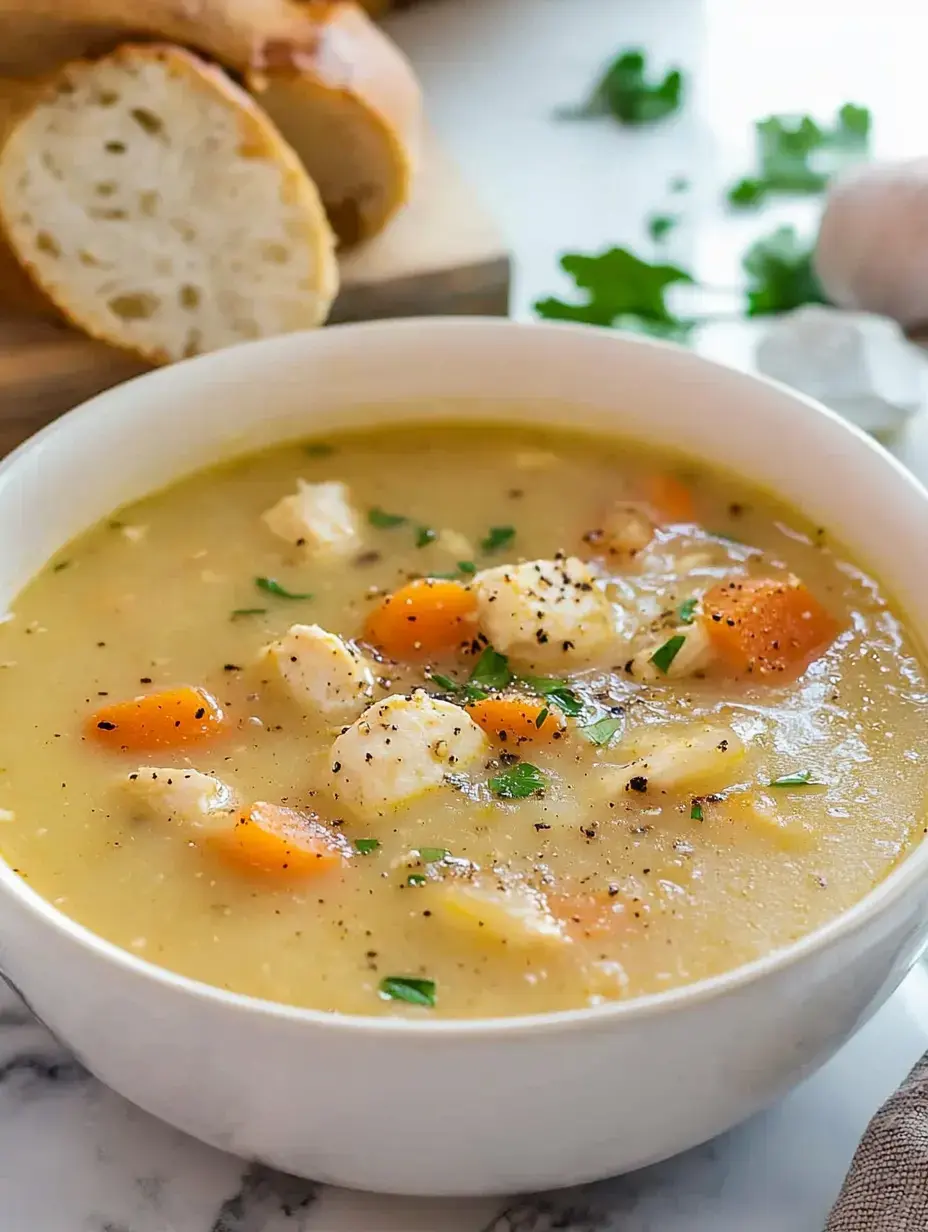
(161, 211)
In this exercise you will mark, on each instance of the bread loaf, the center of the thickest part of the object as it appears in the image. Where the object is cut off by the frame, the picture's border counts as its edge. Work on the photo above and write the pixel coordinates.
(159, 209)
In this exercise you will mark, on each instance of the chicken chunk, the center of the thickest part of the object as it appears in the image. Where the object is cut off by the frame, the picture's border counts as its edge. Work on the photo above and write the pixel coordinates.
(691, 758)
(401, 748)
(545, 613)
(500, 910)
(324, 674)
(625, 531)
(318, 519)
(171, 794)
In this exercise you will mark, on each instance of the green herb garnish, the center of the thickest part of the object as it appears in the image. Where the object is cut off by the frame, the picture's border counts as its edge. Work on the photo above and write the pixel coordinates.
(665, 655)
(239, 612)
(696, 811)
(385, 521)
(274, 587)
(687, 610)
(319, 449)
(498, 537)
(470, 692)
(432, 855)
(416, 879)
(491, 671)
(518, 782)
(466, 568)
(622, 291)
(408, 988)
(425, 535)
(660, 226)
(624, 92)
(780, 273)
(602, 731)
(364, 846)
(445, 682)
(542, 715)
(799, 778)
(556, 691)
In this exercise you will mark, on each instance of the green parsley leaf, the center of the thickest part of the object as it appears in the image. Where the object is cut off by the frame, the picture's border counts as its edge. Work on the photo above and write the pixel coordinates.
(800, 778)
(274, 587)
(408, 988)
(518, 782)
(556, 691)
(425, 535)
(779, 267)
(470, 692)
(432, 855)
(542, 715)
(445, 682)
(318, 449)
(498, 537)
(239, 612)
(466, 568)
(491, 670)
(696, 811)
(687, 610)
(385, 521)
(660, 225)
(624, 92)
(665, 655)
(622, 291)
(364, 846)
(747, 193)
(602, 731)
(416, 879)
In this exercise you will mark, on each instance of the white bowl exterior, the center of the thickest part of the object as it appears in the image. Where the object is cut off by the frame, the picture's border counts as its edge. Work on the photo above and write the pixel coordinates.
(460, 1108)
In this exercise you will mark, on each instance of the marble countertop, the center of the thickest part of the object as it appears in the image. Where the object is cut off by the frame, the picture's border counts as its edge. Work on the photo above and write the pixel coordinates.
(76, 1158)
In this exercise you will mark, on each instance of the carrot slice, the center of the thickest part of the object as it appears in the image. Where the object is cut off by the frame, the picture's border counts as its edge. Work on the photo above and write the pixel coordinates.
(426, 617)
(517, 720)
(175, 717)
(670, 498)
(767, 625)
(279, 842)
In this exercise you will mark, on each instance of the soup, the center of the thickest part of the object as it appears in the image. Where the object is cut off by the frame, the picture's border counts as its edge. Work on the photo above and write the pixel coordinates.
(457, 722)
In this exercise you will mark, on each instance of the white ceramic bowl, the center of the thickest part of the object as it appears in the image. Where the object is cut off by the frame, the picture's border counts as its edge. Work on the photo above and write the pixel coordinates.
(491, 1106)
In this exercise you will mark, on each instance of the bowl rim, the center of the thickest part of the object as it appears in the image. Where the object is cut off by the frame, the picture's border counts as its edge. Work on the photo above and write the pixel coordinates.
(608, 1013)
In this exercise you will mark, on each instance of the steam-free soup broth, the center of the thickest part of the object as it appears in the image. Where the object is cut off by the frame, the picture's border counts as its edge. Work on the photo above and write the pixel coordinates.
(457, 721)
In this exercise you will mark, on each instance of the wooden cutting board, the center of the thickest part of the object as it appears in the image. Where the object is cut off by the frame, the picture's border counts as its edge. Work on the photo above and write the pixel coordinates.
(441, 255)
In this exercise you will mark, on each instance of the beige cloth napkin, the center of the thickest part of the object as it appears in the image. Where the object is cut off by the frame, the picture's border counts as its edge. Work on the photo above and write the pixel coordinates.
(886, 1189)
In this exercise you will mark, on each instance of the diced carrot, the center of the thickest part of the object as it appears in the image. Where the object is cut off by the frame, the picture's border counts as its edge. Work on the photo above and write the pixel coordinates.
(670, 498)
(517, 720)
(424, 618)
(279, 842)
(175, 717)
(596, 914)
(767, 625)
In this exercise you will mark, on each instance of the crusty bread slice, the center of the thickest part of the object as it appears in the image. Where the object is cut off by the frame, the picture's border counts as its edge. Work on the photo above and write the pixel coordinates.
(161, 211)
(341, 92)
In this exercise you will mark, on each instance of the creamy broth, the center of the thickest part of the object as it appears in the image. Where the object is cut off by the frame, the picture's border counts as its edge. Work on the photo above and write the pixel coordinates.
(723, 813)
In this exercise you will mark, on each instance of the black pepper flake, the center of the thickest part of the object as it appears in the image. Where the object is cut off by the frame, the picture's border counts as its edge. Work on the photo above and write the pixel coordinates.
(226, 667)
(542, 825)
(638, 783)
(144, 679)
(104, 725)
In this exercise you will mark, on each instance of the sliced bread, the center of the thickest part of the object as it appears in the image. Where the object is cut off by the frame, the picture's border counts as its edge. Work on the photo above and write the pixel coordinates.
(160, 210)
(343, 95)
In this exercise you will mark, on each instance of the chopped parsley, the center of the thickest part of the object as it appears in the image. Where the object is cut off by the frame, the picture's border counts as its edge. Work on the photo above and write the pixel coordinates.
(498, 537)
(665, 655)
(240, 612)
(518, 782)
(542, 715)
(408, 988)
(385, 521)
(687, 610)
(625, 93)
(602, 731)
(780, 274)
(466, 568)
(364, 846)
(696, 811)
(425, 535)
(799, 778)
(416, 879)
(556, 691)
(274, 587)
(661, 225)
(491, 671)
(432, 855)
(470, 692)
(319, 449)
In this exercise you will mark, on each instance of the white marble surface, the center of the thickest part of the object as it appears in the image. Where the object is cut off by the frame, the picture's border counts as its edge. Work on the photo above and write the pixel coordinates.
(76, 1158)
